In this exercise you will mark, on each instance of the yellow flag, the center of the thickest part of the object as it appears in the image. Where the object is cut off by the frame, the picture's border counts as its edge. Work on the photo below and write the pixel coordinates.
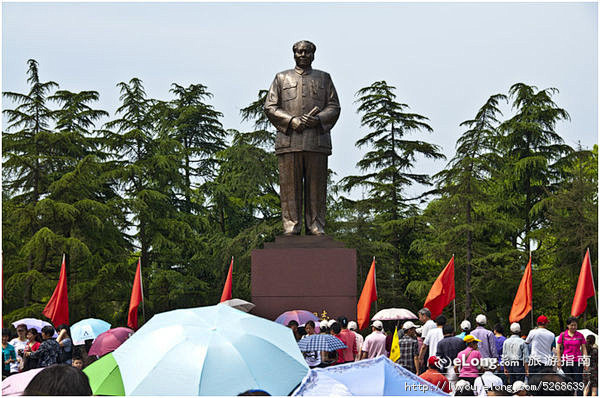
(395, 353)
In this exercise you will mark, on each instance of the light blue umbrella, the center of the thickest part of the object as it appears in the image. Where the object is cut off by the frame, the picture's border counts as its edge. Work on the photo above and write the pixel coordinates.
(88, 329)
(376, 377)
(215, 350)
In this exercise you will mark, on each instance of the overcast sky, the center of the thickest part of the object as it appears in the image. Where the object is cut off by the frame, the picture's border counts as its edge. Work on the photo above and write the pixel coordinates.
(445, 59)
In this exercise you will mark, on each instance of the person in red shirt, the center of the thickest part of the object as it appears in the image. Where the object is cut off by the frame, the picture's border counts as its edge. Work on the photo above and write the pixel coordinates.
(433, 375)
(33, 343)
(347, 354)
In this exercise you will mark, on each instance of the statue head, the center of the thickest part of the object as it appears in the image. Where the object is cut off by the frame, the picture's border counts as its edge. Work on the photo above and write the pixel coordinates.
(304, 53)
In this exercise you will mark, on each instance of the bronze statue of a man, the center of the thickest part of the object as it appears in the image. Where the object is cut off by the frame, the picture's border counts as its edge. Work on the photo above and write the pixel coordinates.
(303, 105)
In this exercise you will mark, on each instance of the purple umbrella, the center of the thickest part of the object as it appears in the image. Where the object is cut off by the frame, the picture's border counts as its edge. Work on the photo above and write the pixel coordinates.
(300, 316)
(16, 384)
(109, 341)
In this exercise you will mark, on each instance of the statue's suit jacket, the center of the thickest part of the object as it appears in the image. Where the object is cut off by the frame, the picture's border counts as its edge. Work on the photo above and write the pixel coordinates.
(293, 93)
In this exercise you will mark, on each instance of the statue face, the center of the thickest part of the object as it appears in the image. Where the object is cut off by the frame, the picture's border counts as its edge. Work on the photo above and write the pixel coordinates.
(303, 55)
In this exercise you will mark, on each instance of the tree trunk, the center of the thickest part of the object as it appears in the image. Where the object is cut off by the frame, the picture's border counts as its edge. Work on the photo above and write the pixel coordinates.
(468, 268)
(394, 195)
(468, 265)
(188, 182)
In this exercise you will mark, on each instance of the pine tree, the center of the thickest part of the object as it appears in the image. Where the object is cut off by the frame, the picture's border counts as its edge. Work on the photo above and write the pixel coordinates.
(196, 126)
(28, 161)
(532, 150)
(264, 135)
(465, 214)
(131, 145)
(388, 172)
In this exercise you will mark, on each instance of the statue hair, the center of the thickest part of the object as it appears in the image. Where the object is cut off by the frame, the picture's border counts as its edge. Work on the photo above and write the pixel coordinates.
(310, 44)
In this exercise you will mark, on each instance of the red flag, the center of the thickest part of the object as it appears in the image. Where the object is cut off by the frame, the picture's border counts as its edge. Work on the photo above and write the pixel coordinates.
(368, 295)
(226, 295)
(442, 291)
(524, 298)
(57, 308)
(585, 286)
(137, 296)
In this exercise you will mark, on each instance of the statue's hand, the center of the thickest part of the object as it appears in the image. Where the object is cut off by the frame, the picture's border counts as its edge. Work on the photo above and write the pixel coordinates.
(310, 121)
(296, 124)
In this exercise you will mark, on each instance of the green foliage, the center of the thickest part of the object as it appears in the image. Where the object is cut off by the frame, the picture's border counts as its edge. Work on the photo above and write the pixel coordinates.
(264, 135)
(165, 182)
(27, 152)
(532, 151)
(389, 215)
(390, 159)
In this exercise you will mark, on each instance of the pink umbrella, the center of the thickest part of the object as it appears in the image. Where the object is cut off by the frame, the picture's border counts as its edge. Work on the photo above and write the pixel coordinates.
(109, 341)
(16, 384)
(300, 316)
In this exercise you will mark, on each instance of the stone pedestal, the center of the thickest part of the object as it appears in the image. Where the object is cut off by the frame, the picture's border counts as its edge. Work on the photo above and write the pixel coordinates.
(313, 273)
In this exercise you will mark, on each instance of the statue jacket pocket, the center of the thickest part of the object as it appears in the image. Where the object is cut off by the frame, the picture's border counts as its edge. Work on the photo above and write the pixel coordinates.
(289, 90)
(283, 140)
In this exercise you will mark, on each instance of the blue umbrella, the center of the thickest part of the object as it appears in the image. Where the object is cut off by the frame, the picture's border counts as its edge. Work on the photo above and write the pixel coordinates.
(215, 350)
(376, 377)
(88, 329)
(320, 342)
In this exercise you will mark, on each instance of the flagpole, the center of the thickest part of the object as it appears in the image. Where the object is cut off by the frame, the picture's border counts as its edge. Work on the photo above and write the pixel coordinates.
(142, 289)
(592, 274)
(454, 305)
(531, 287)
(375, 278)
(454, 301)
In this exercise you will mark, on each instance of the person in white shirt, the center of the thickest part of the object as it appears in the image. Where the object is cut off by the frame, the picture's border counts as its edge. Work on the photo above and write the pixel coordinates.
(19, 342)
(487, 381)
(428, 323)
(434, 336)
(353, 326)
(541, 341)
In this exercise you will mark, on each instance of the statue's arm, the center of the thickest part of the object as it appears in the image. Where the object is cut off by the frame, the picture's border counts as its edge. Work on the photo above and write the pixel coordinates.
(329, 115)
(280, 118)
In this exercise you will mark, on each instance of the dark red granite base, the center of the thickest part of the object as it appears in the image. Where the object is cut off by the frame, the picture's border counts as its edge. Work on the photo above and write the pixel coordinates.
(313, 273)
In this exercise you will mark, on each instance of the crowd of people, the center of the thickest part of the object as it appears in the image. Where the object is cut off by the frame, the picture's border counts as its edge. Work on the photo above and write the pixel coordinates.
(51, 349)
(476, 360)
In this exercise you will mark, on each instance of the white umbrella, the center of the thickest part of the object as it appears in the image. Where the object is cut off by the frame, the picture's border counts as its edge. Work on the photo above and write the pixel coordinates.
(239, 304)
(587, 332)
(394, 314)
(33, 323)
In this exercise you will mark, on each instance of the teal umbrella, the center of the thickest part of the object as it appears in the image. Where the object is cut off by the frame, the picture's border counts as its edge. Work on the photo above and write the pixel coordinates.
(88, 329)
(214, 350)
